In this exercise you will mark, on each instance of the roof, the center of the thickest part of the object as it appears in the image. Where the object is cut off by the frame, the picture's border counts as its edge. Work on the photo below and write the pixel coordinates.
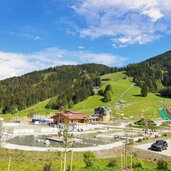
(102, 111)
(73, 115)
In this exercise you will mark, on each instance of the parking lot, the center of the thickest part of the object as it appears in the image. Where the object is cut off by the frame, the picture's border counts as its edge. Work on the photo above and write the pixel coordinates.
(147, 145)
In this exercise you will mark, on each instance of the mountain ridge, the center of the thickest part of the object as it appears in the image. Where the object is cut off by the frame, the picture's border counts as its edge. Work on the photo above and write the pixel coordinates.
(70, 84)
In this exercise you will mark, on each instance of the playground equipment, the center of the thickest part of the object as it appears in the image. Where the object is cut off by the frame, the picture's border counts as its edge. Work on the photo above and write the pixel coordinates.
(165, 111)
(163, 114)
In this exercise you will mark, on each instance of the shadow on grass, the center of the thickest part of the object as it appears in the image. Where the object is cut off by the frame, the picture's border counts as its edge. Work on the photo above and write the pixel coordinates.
(137, 95)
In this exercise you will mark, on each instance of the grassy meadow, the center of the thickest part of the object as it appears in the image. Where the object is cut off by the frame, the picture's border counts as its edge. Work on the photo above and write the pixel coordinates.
(133, 106)
(35, 161)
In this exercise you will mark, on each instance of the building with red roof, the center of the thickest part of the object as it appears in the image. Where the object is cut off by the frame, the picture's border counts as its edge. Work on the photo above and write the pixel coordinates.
(69, 117)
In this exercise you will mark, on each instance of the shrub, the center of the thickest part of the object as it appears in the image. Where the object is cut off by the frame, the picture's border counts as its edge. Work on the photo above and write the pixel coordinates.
(47, 167)
(69, 168)
(107, 96)
(89, 158)
(164, 134)
(162, 164)
(112, 163)
(101, 92)
(139, 140)
(137, 163)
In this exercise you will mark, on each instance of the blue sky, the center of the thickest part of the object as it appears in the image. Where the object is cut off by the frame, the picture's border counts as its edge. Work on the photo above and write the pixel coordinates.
(36, 34)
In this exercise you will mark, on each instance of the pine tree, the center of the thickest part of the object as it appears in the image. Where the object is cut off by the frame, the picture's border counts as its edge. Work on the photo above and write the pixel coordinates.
(144, 91)
(107, 96)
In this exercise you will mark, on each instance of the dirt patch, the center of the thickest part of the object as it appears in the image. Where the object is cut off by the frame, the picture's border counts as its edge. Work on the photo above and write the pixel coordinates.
(148, 155)
(115, 152)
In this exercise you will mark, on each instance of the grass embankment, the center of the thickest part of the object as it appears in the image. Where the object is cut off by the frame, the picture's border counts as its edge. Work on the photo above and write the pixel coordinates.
(35, 161)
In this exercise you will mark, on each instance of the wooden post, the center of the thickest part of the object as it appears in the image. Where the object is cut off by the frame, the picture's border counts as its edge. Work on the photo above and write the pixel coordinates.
(71, 160)
(131, 158)
(61, 164)
(65, 159)
(121, 161)
(9, 163)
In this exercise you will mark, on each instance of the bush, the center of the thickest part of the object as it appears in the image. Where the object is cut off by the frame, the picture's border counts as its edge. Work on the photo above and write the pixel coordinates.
(101, 92)
(69, 168)
(139, 140)
(107, 96)
(112, 163)
(89, 158)
(137, 163)
(162, 164)
(47, 167)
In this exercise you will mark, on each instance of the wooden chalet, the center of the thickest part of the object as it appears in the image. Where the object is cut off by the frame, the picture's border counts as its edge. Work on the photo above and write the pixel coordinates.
(69, 117)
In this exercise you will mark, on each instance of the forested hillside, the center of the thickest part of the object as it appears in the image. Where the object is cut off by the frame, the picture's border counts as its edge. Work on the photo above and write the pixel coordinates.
(154, 74)
(67, 84)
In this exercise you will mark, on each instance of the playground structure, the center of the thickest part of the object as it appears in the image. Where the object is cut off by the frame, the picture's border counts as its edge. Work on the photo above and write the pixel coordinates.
(165, 111)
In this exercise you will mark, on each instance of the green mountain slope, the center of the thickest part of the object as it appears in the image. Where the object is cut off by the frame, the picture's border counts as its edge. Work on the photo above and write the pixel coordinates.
(129, 106)
(154, 73)
(37, 109)
(126, 101)
(69, 83)
(119, 85)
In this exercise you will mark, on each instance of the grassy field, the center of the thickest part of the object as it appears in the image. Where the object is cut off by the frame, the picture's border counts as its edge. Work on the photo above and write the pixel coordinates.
(136, 106)
(35, 161)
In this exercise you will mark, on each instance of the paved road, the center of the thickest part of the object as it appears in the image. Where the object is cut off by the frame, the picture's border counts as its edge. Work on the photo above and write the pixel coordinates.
(164, 152)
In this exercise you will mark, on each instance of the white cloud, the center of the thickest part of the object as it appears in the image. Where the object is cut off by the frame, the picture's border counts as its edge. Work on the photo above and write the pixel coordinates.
(13, 64)
(154, 14)
(125, 21)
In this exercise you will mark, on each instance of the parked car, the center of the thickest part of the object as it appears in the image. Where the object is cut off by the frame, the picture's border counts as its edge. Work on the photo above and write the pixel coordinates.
(159, 145)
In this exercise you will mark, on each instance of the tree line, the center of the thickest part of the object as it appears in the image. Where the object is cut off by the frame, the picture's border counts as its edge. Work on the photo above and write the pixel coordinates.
(153, 75)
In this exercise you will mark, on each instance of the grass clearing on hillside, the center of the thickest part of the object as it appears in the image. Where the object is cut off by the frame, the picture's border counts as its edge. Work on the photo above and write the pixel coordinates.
(119, 85)
(133, 107)
(136, 106)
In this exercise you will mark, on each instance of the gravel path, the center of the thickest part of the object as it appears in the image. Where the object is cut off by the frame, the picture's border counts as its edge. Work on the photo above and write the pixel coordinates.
(95, 148)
